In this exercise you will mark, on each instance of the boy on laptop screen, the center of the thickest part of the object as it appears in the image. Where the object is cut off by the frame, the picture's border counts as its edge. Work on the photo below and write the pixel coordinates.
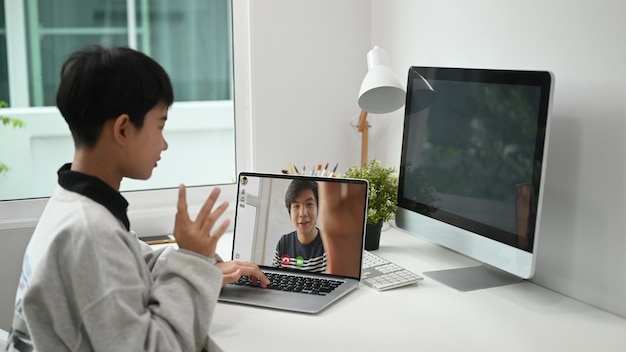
(302, 248)
(304, 228)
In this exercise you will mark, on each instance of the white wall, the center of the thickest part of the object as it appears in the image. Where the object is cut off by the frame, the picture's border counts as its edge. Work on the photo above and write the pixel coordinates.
(308, 60)
(582, 242)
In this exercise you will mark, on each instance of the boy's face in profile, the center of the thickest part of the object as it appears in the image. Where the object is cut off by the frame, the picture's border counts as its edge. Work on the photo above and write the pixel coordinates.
(146, 144)
(304, 212)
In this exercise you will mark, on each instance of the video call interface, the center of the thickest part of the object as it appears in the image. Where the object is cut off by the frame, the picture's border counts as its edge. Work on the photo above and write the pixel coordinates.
(300, 223)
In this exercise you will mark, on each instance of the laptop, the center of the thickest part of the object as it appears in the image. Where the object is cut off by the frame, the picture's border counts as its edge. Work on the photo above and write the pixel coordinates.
(305, 232)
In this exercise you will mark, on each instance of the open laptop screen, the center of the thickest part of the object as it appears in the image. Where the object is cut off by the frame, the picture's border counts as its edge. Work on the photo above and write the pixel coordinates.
(301, 222)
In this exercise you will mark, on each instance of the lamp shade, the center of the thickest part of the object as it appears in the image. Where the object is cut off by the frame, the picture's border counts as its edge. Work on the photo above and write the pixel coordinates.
(381, 91)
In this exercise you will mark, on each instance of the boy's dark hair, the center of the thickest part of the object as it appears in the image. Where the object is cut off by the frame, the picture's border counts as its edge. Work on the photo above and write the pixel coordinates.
(98, 84)
(295, 187)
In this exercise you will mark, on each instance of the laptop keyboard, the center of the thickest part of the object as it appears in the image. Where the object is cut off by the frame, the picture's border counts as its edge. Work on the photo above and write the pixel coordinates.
(293, 283)
(381, 274)
(378, 273)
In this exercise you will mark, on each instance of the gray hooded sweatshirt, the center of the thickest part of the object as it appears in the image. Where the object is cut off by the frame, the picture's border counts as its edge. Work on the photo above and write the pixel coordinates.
(88, 283)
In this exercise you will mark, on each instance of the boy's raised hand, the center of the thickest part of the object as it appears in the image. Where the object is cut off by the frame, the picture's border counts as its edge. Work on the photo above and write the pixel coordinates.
(201, 235)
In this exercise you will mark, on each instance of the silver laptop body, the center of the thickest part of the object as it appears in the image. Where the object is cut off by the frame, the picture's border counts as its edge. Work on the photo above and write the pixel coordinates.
(262, 218)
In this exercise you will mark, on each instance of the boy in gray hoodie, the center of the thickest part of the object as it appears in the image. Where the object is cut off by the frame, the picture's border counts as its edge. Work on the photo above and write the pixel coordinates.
(88, 283)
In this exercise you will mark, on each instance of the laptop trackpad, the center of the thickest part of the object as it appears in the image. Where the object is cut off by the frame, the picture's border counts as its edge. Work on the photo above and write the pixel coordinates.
(272, 299)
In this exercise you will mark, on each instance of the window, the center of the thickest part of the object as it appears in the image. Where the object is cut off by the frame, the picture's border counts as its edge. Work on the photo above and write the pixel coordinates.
(191, 39)
(4, 75)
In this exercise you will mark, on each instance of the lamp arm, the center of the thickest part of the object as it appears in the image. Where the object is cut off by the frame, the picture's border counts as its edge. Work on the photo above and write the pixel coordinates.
(362, 124)
(363, 127)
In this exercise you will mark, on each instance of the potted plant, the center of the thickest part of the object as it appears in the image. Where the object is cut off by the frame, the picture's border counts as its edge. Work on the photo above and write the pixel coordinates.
(382, 198)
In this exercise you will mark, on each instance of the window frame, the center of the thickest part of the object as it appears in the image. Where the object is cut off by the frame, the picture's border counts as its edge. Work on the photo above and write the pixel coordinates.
(152, 211)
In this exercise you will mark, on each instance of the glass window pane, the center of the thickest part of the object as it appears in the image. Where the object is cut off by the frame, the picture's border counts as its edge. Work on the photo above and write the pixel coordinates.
(57, 28)
(54, 49)
(191, 39)
(4, 73)
(79, 13)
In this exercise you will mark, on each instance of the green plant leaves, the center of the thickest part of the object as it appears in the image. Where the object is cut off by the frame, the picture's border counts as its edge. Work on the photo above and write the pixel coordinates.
(383, 189)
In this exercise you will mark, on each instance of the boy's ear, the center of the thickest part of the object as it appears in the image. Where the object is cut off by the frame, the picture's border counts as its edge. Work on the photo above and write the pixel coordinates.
(121, 128)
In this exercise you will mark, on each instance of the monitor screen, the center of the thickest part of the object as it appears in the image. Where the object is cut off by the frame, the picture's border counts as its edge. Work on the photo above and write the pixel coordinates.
(472, 162)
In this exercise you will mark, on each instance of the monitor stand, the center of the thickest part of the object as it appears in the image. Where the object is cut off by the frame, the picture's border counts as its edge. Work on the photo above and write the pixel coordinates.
(473, 278)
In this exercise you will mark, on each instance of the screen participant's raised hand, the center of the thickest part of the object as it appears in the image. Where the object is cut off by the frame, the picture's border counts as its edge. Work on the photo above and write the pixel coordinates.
(341, 221)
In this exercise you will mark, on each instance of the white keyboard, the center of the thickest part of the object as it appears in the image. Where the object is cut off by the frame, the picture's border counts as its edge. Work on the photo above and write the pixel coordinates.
(381, 274)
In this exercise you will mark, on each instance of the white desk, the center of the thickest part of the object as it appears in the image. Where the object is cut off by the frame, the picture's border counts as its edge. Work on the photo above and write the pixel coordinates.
(426, 317)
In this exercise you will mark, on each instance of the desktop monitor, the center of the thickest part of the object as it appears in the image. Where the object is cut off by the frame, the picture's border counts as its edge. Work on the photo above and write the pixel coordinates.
(472, 168)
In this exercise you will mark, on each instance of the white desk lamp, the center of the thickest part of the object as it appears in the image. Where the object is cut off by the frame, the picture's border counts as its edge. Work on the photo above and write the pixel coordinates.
(381, 92)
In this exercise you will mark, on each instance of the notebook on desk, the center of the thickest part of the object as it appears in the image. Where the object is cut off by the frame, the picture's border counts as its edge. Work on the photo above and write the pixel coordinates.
(306, 233)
